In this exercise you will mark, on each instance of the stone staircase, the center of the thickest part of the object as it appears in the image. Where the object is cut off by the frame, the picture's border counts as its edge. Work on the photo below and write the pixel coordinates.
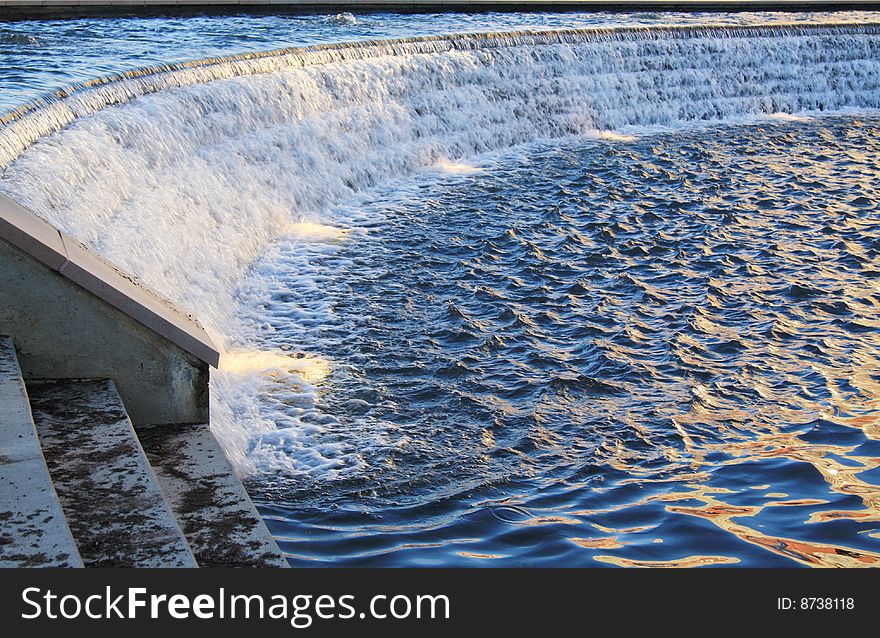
(79, 486)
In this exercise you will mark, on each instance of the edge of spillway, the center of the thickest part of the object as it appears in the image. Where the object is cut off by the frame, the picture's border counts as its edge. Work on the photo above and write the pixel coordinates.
(56, 110)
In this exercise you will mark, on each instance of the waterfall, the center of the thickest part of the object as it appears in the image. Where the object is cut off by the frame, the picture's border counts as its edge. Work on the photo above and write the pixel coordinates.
(53, 112)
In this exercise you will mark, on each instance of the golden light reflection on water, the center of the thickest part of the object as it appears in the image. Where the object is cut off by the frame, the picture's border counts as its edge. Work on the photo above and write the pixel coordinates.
(608, 542)
(481, 556)
(310, 368)
(808, 553)
(788, 117)
(789, 419)
(458, 168)
(689, 561)
(771, 442)
(316, 231)
(612, 136)
(723, 515)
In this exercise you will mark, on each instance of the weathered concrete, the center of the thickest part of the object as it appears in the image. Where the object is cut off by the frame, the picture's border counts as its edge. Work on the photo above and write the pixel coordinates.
(220, 522)
(37, 238)
(73, 315)
(33, 530)
(113, 503)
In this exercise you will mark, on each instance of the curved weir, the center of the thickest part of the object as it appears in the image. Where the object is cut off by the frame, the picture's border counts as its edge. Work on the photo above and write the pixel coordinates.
(53, 112)
(287, 133)
(184, 174)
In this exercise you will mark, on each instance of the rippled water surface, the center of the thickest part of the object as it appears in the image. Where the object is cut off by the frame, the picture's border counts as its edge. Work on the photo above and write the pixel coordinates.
(660, 350)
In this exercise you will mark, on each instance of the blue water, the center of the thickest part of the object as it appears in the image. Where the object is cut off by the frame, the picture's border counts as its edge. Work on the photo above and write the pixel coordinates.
(578, 302)
(659, 351)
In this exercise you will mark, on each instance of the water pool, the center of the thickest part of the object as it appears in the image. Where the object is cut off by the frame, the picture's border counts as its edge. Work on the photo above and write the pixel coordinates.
(588, 296)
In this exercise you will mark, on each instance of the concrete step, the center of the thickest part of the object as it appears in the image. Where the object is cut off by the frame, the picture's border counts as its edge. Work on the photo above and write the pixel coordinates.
(220, 522)
(113, 503)
(33, 531)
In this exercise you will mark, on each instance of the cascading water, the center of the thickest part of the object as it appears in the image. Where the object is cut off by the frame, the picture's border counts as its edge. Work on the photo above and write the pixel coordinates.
(208, 180)
(242, 148)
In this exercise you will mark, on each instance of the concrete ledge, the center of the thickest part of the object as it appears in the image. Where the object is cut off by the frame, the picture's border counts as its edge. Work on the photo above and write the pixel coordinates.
(37, 238)
(73, 315)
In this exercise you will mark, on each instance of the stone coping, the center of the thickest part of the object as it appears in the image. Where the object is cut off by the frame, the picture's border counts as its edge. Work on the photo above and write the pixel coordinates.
(39, 239)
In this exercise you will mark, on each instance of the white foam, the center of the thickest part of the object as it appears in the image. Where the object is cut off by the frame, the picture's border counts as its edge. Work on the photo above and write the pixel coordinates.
(789, 117)
(458, 168)
(342, 18)
(316, 231)
(611, 136)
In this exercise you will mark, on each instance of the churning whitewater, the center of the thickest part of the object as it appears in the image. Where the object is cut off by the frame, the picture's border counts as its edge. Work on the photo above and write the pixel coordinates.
(285, 197)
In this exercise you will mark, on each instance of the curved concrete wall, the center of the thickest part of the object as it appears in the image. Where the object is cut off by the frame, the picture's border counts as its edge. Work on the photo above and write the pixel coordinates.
(73, 315)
